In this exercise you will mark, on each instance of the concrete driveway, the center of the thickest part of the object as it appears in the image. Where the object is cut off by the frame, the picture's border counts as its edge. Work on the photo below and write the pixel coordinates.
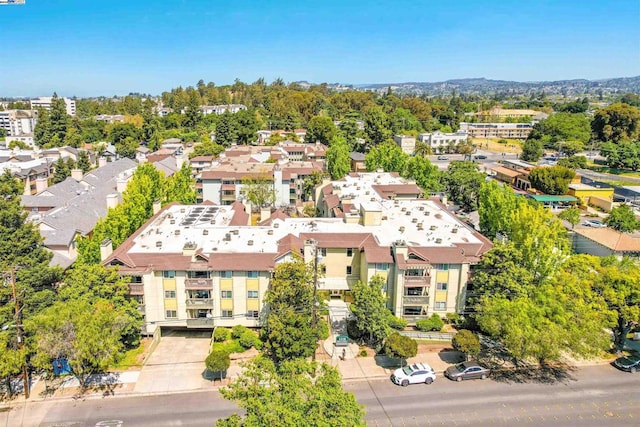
(177, 363)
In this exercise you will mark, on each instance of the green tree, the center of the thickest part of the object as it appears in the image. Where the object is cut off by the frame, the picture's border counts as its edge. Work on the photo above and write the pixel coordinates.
(180, 187)
(552, 180)
(119, 132)
(466, 342)
(226, 129)
(401, 121)
(571, 215)
(296, 393)
(370, 310)
(426, 174)
(376, 126)
(87, 335)
(192, 113)
(61, 171)
(422, 149)
(433, 323)
(349, 130)
(623, 219)
(247, 126)
(12, 358)
(400, 347)
(338, 159)
(309, 184)
(570, 148)
(58, 119)
(561, 127)
(623, 154)
(127, 147)
(462, 183)
(387, 156)
(320, 129)
(42, 130)
(259, 190)
(573, 162)
(218, 361)
(84, 163)
(496, 204)
(289, 332)
(616, 122)
(531, 150)
(207, 148)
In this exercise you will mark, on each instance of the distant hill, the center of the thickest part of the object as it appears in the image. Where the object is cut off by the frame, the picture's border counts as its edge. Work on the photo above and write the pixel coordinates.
(487, 86)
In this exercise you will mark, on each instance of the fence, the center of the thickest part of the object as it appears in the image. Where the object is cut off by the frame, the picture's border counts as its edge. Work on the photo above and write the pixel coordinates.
(443, 336)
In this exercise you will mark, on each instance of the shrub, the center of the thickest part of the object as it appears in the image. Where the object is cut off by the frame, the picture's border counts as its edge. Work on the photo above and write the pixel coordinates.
(363, 353)
(218, 361)
(352, 330)
(397, 322)
(400, 347)
(466, 342)
(452, 318)
(249, 339)
(238, 330)
(323, 328)
(220, 335)
(434, 323)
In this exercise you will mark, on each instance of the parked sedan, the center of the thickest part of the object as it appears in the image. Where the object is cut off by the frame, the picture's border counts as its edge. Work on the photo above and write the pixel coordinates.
(594, 223)
(443, 158)
(418, 373)
(467, 371)
(627, 364)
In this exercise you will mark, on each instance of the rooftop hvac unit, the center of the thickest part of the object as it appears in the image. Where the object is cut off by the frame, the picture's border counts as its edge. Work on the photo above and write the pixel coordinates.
(177, 232)
(159, 244)
(438, 240)
(173, 221)
(205, 232)
(433, 227)
(402, 229)
(455, 230)
(250, 243)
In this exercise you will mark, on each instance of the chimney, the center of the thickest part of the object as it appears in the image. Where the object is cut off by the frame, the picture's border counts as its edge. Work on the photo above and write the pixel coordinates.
(41, 185)
(156, 206)
(121, 183)
(112, 201)
(265, 213)
(106, 249)
(102, 161)
(76, 174)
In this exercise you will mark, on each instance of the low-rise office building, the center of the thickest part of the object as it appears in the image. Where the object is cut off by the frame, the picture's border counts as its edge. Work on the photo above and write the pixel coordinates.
(439, 141)
(497, 130)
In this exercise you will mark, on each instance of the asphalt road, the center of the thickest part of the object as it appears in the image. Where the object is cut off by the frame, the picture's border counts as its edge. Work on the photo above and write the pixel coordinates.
(591, 396)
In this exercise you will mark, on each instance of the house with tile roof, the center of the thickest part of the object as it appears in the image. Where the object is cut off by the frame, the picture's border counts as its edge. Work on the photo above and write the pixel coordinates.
(202, 266)
(606, 241)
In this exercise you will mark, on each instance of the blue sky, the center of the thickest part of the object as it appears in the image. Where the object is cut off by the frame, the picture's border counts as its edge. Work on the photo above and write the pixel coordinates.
(93, 47)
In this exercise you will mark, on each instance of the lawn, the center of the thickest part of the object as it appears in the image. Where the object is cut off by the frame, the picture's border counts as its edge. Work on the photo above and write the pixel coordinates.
(134, 358)
(613, 171)
(512, 145)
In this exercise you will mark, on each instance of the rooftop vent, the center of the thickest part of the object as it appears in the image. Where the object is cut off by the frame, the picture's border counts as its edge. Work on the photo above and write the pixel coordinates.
(438, 240)
(427, 213)
(235, 232)
(159, 244)
(205, 232)
(227, 237)
(455, 230)
(276, 225)
(421, 208)
(270, 232)
(414, 220)
(177, 232)
(182, 210)
(173, 221)
(250, 243)
(408, 213)
(433, 227)
(404, 209)
(402, 229)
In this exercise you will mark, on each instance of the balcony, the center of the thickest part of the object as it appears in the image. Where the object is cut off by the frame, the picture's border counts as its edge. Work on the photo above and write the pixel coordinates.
(415, 300)
(201, 322)
(136, 289)
(201, 283)
(417, 280)
(200, 303)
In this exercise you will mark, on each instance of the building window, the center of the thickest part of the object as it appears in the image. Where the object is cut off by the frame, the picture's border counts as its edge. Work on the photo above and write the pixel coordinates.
(225, 275)
(441, 305)
(441, 286)
(169, 274)
(382, 266)
(414, 292)
(348, 269)
(135, 279)
(227, 314)
(323, 252)
(252, 294)
(413, 311)
(253, 314)
(349, 252)
(226, 294)
(252, 274)
(170, 314)
(170, 294)
(442, 267)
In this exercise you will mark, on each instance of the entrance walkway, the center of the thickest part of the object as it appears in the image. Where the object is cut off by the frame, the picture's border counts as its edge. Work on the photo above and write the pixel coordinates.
(338, 314)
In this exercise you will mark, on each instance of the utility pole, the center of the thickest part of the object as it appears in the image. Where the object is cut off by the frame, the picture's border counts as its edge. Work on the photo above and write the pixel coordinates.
(314, 314)
(25, 377)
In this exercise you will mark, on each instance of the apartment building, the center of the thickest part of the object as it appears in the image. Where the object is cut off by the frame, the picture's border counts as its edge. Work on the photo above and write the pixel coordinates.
(18, 122)
(507, 113)
(45, 102)
(202, 266)
(439, 141)
(407, 143)
(497, 130)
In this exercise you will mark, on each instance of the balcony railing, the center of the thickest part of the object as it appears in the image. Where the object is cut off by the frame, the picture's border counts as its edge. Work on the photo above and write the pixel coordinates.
(200, 283)
(201, 322)
(417, 280)
(414, 319)
(421, 300)
(200, 302)
(136, 289)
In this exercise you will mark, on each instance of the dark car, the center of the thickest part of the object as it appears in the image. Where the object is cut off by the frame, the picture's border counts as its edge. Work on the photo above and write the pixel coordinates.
(467, 371)
(627, 364)
(480, 157)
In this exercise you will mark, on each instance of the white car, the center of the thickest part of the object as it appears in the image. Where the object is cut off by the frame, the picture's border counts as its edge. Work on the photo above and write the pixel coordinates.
(594, 223)
(418, 373)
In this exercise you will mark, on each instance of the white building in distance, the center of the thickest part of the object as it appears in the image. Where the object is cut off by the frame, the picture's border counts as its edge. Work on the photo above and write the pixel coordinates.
(45, 102)
(440, 140)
